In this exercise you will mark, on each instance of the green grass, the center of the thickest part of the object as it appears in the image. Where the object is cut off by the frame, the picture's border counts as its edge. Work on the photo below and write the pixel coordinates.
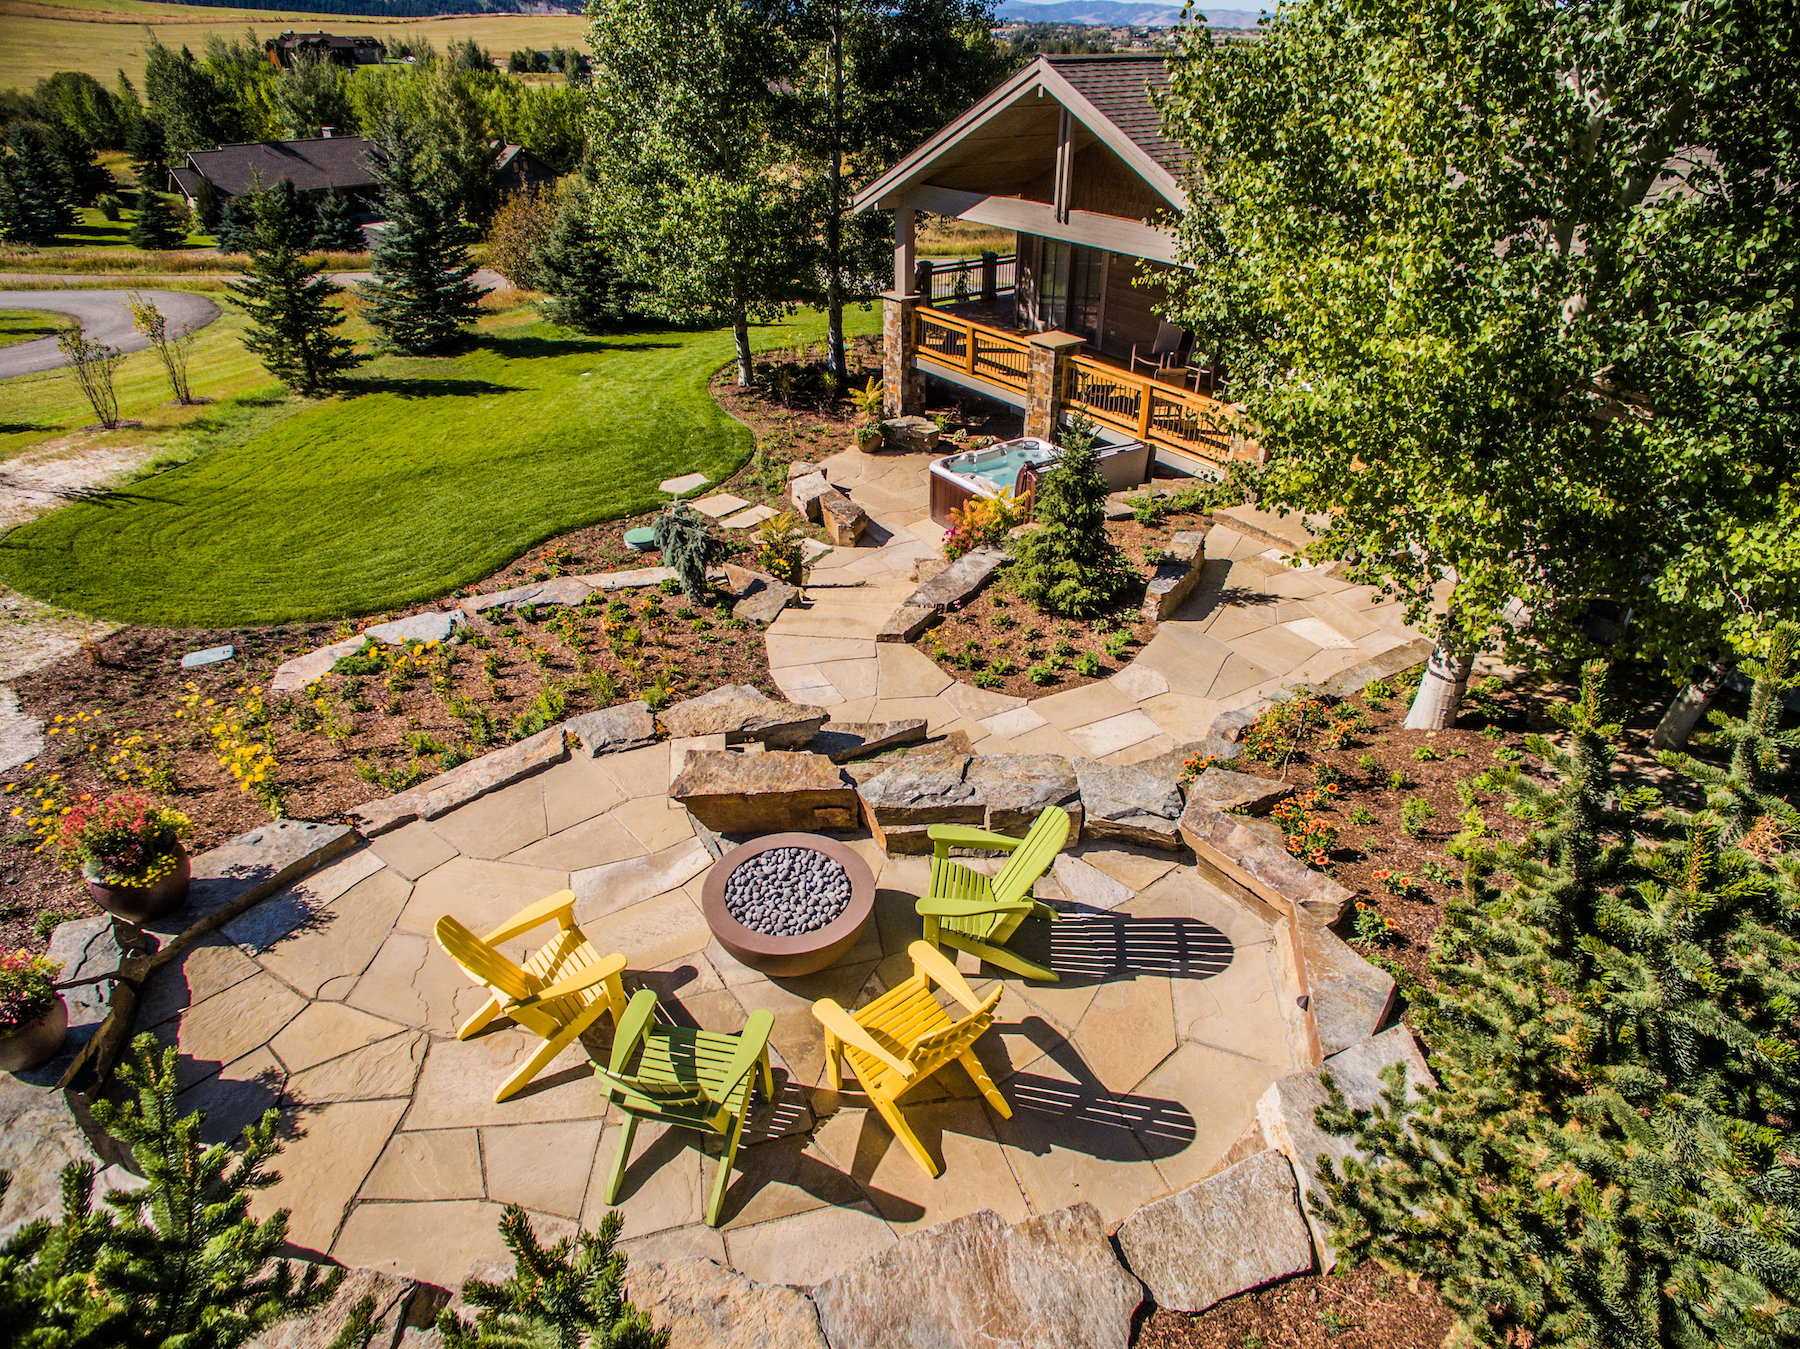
(28, 325)
(433, 476)
(34, 408)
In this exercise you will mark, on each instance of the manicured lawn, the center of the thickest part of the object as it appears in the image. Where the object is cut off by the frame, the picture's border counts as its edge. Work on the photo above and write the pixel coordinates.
(27, 325)
(431, 478)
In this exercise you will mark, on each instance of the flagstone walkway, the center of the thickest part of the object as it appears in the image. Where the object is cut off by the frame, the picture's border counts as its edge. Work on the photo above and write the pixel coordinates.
(1254, 625)
(1131, 1078)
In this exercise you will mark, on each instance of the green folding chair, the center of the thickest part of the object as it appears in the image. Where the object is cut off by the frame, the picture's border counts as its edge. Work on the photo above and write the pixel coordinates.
(979, 914)
(696, 1079)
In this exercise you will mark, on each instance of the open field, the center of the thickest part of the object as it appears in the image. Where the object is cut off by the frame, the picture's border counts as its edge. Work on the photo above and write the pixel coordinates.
(434, 474)
(102, 37)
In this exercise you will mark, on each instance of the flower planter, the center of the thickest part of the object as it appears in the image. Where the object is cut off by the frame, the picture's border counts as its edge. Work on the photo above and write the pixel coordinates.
(140, 904)
(36, 1044)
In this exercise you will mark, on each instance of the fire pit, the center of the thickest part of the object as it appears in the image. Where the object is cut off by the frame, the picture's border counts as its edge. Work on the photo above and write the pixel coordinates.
(789, 904)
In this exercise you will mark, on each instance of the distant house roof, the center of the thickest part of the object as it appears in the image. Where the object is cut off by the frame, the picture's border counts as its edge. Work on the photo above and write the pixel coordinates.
(311, 165)
(1120, 89)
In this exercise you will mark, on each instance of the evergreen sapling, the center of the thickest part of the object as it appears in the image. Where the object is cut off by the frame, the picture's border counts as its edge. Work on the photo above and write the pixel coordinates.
(1068, 564)
(155, 226)
(292, 320)
(688, 546)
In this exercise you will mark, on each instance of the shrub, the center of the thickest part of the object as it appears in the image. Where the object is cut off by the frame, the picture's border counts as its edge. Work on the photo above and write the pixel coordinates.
(111, 205)
(778, 548)
(1426, 754)
(1068, 564)
(1308, 837)
(1087, 664)
(1117, 644)
(981, 522)
(27, 988)
(1041, 674)
(1284, 728)
(688, 546)
(1371, 928)
(1415, 813)
(1361, 816)
(868, 400)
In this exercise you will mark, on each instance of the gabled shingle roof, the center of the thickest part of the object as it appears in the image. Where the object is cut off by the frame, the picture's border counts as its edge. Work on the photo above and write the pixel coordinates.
(330, 161)
(1119, 88)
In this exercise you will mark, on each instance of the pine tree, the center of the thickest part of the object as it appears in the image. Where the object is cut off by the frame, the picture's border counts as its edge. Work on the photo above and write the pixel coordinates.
(576, 271)
(149, 150)
(155, 226)
(688, 546)
(334, 225)
(1604, 1162)
(233, 225)
(421, 299)
(1068, 564)
(34, 197)
(292, 319)
(567, 1296)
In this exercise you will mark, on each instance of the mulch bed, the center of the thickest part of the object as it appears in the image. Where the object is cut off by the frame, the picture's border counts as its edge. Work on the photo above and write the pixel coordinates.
(1361, 1307)
(1000, 642)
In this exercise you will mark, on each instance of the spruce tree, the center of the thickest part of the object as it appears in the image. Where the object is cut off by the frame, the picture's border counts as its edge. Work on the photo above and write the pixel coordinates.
(567, 1296)
(34, 196)
(1605, 1161)
(1068, 564)
(688, 546)
(233, 224)
(155, 226)
(292, 320)
(334, 225)
(421, 299)
(149, 150)
(576, 271)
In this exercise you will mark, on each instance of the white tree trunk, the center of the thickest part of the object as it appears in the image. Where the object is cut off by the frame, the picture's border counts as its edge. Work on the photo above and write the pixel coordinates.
(740, 334)
(1687, 708)
(1441, 691)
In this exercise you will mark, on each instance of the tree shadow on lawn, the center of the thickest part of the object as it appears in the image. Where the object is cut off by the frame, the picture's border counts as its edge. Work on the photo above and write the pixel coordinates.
(526, 346)
(429, 388)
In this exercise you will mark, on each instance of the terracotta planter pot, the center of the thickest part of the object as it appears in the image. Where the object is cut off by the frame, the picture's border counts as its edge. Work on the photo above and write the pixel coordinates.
(141, 903)
(34, 1045)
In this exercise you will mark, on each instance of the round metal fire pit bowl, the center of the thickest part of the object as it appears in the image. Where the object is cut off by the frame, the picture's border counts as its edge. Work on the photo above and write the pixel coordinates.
(789, 957)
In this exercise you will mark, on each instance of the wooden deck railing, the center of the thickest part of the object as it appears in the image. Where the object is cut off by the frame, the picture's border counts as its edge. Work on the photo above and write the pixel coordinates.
(938, 280)
(1159, 413)
(971, 347)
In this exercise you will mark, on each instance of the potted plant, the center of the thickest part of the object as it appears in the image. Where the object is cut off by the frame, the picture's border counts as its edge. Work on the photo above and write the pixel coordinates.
(129, 851)
(33, 1016)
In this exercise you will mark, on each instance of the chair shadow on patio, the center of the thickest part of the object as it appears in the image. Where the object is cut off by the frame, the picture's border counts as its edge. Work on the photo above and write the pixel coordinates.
(1088, 946)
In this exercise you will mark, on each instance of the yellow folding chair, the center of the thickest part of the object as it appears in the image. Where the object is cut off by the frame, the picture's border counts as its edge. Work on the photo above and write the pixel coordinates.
(557, 994)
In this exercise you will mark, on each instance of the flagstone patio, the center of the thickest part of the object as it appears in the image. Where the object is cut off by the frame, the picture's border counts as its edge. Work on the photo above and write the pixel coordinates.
(1131, 1078)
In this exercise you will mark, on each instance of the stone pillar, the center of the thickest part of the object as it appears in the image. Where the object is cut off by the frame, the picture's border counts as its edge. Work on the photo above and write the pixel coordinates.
(903, 387)
(1044, 381)
(990, 275)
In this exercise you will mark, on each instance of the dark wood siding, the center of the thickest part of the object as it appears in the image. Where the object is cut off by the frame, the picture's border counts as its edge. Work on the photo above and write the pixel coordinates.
(1129, 316)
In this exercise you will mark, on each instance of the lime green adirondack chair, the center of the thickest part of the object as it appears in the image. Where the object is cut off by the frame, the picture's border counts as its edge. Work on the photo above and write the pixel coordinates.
(978, 914)
(694, 1078)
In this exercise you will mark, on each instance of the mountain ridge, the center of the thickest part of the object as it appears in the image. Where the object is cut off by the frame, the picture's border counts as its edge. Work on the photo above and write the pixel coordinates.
(1117, 12)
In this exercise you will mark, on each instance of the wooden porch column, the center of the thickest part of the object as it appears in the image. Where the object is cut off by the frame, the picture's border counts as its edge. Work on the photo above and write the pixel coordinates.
(905, 264)
(1044, 381)
(990, 275)
(903, 387)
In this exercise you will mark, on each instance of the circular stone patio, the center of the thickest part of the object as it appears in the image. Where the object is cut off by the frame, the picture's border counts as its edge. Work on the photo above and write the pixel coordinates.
(1133, 1077)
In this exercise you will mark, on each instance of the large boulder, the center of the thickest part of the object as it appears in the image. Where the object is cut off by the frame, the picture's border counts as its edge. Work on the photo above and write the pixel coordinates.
(1240, 793)
(464, 783)
(843, 519)
(920, 790)
(743, 714)
(399, 1305)
(809, 493)
(776, 792)
(1233, 1231)
(763, 599)
(1131, 803)
(1286, 1112)
(1351, 997)
(1177, 573)
(843, 741)
(1015, 789)
(704, 1305)
(954, 584)
(910, 435)
(1250, 852)
(1050, 1282)
(611, 730)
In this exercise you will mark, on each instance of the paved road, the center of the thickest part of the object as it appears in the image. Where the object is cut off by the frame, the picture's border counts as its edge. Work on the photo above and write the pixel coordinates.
(103, 316)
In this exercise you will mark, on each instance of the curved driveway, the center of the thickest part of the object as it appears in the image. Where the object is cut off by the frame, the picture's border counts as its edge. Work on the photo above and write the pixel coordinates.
(102, 315)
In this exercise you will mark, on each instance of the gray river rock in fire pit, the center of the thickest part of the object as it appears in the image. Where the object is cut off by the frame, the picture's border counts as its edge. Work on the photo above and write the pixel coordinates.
(787, 891)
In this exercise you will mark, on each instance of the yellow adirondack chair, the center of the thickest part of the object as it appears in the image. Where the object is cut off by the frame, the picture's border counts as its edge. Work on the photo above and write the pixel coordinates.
(975, 913)
(905, 1036)
(693, 1078)
(557, 994)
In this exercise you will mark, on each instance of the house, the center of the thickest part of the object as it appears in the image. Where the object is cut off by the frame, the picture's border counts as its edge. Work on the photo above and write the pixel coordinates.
(322, 164)
(340, 51)
(317, 165)
(1069, 155)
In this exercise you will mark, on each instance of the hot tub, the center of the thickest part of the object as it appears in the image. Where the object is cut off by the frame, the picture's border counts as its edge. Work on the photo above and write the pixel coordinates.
(1012, 466)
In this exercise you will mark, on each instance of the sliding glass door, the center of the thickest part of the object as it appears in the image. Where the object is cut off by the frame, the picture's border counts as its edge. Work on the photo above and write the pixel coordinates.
(1069, 286)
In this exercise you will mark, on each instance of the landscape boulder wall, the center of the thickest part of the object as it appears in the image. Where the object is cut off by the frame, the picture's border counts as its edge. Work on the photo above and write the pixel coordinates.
(1015, 788)
(951, 586)
(743, 714)
(611, 730)
(1050, 1282)
(1177, 574)
(1287, 1110)
(920, 790)
(705, 1305)
(1250, 853)
(776, 792)
(1236, 1230)
(1133, 804)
